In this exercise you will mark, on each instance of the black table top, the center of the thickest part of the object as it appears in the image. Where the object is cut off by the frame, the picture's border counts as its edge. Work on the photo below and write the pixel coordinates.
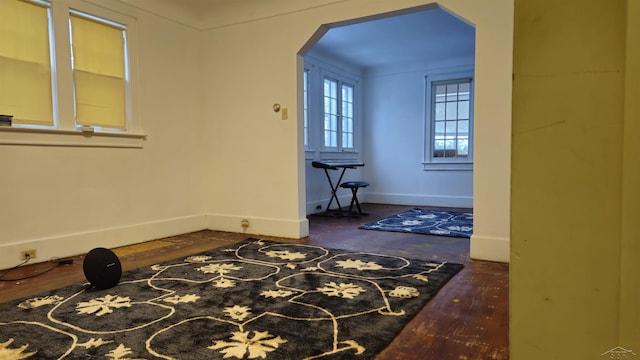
(334, 164)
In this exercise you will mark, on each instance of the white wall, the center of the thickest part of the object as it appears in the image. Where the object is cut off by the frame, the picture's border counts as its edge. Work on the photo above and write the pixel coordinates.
(395, 139)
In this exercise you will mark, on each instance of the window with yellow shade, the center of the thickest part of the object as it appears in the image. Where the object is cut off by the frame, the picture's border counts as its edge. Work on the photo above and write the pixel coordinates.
(99, 75)
(26, 81)
(65, 70)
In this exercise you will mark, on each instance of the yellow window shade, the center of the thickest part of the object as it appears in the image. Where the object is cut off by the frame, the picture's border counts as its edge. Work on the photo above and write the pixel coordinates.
(25, 65)
(25, 31)
(97, 47)
(99, 73)
(100, 100)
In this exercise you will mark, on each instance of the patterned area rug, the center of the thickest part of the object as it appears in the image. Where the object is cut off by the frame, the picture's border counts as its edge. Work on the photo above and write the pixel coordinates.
(254, 299)
(429, 222)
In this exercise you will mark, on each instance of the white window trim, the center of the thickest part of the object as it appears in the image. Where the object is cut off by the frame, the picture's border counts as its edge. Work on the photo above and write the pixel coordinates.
(15, 135)
(318, 67)
(64, 131)
(446, 164)
(307, 70)
(341, 79)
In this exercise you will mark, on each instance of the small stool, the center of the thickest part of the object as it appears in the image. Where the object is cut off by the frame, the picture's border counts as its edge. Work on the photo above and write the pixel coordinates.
(354, 186)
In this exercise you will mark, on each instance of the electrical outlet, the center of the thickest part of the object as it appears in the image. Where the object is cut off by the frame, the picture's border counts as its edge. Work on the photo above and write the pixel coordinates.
(28, 254)
(244, 223)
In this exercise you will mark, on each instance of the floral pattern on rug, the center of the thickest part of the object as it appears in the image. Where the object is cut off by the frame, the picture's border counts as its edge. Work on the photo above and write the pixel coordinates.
(253, 300)
(428, 222)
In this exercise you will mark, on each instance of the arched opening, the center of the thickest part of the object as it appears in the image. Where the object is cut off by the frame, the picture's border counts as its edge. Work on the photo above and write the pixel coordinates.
(392, 72)
(389, 63)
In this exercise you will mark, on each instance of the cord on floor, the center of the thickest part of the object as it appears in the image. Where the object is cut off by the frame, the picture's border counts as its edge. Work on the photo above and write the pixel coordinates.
(55, 260)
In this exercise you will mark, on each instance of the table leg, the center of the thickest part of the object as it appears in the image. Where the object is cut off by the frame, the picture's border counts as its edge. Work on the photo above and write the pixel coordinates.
(334, 189)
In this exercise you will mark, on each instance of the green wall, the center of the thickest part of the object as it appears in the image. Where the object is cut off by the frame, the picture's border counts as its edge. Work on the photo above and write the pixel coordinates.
(574, 182)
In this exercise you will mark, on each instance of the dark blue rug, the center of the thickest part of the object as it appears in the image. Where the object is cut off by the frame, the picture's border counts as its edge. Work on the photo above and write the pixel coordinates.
(429, 222)
(256, 299)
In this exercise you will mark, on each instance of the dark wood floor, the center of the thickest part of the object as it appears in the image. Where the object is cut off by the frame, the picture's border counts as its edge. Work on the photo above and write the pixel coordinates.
(467, 319)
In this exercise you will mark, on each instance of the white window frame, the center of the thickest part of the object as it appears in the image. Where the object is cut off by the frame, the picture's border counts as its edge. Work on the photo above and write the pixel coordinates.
(318, 69)
(341, 80)
(20, 122)
(65, 131)
(306, 80)
(121, 28)
(446, 163)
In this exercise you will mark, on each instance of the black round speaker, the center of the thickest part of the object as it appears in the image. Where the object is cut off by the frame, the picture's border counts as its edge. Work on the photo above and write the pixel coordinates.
(102, 268)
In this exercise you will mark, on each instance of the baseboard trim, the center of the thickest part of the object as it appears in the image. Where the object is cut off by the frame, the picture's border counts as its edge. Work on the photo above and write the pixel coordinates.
(345, 200)
(490, 248)
(80, 243)
(291, 229)
(418, 200)
(482, 247)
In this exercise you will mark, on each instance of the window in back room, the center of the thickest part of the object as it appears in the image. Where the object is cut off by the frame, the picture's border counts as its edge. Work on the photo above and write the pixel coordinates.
(451, 119)
(338, 100)
(331, 113)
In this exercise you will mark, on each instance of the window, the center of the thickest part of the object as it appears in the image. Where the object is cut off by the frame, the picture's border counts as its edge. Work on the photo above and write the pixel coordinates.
(99, 71)
(306, 107)
(338, 125)
(25, 62)
(450, 123)
(451, 119)
(330, 110)
(347, 117)
(83, 83)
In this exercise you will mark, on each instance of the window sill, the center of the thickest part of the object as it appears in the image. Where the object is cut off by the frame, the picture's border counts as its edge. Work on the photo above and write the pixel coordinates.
(309, 154)
(335, 154)
(312, 154)
(69, 138)
(449, 166)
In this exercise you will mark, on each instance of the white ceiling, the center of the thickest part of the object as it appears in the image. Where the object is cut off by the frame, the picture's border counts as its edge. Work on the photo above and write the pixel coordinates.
(431, 36)
(209, 14)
